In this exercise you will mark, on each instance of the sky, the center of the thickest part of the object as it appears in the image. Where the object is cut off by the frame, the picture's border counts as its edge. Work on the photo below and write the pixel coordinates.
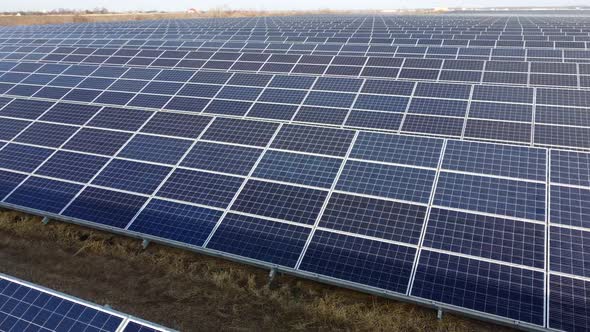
(181, 5)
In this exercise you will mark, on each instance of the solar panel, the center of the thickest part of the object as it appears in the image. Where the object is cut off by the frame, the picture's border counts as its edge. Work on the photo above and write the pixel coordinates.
(442, 159)
(28, 307)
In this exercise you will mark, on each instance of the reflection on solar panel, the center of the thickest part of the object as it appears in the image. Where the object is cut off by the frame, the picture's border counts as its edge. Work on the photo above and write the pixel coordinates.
(28, 307)
(443, 159)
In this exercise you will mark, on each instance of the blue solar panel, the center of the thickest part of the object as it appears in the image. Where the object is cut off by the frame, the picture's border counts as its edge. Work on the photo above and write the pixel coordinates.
(569, 302)
(375, 120)
(227, 107)
(240, 132)
(22, 157)
(330, 99)
(180, 125)
(44, 194)
(404, 183)
(70, 113)
(334, 142)
(512, 241)
(120, 118)
(409, 150)
(46, 134)
(359, 260)
(500, 93)
(569, 206)
(25, 109)
(280, 201)
(72, 166)
(438, 107)
(283, 96)
(260, 239)
(495, 159)
(97, 141)
(489, 287)
(297, 168)
(374, 217)
(131, 176)
(155, 149)
(381, 103)
(200, 187)
(9, 128)
(569, 167)
(486, 194)
(105, 207)
(569, 251)
(9, 181)
(27, 308)
(176, 221)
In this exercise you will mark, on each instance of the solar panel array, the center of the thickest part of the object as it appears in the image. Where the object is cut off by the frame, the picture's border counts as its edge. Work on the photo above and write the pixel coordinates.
(439, 159)
(28, 307)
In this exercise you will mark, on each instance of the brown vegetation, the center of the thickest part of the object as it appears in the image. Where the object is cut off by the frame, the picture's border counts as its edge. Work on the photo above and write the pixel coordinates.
(193, 292)
(88, 18)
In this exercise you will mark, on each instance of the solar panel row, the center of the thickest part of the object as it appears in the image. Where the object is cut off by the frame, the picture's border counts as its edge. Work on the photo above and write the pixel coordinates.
(28, 307)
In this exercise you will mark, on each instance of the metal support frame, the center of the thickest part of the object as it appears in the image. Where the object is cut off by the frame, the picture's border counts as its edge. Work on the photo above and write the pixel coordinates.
(45, 220)
(272, 274)
(145, 243)
(439, 314)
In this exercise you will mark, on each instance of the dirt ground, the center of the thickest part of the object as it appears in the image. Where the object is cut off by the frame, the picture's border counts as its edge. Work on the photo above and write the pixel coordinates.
(193, 292)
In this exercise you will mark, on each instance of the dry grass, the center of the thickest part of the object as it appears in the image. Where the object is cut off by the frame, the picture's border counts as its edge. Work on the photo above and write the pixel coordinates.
(193, 292)
(88, 18)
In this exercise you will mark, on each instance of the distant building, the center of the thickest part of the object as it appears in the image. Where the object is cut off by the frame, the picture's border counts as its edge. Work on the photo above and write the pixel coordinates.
(192, 11)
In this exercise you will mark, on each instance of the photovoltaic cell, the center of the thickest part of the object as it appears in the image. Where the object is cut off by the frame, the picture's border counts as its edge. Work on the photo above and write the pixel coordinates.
(493, 288)
(359, 260)
(569, 251)
(131, 176)
(508, 240)
(44, 194)
(381, 103)
(485, 194)
(97, 141)
(569, 206)
(46, 134)
(569, 303)
(408, 150)
(260, 239)
(199, 187)
(334, 142)
(155, 149)
(404, 183)
(24, 308)
(176, 221)
(72, 166)
(180, 125)
(105, 207)
(25, 109)
(297, 204)
(240, 131)
(570, 167)
(22, 157)
(495, 159)
(374, 217)
(298, 168)
(222, 158)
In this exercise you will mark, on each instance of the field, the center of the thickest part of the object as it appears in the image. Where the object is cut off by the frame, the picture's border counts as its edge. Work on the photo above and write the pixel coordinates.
(191, 292)
(11, 20)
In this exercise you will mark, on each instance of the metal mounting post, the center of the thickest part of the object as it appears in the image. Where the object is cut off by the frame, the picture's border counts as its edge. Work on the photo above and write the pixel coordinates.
(439, 314)
(145, 243)
(45, 220)
(272, 274)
